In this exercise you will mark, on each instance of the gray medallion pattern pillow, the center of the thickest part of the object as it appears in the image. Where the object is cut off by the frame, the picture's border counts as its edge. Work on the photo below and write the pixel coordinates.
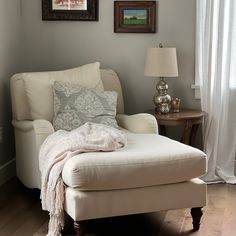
(75, 105)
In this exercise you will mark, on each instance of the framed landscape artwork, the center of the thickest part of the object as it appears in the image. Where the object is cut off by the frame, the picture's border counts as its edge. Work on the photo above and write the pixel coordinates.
(135, 16)
(84, 10)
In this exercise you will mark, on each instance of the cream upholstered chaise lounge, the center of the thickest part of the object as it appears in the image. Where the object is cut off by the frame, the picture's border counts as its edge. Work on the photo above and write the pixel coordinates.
(152, 173)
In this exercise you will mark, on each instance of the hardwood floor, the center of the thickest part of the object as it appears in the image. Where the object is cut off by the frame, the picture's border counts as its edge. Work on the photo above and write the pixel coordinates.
(21, 215)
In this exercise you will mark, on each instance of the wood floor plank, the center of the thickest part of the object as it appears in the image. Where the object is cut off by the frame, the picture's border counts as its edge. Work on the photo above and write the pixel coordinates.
(172, 223)
(33, 219)
(42, 230)
(13, 210)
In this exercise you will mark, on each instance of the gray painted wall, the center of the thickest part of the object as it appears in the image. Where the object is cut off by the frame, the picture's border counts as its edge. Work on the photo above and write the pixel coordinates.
(58, 45)
(9, 64)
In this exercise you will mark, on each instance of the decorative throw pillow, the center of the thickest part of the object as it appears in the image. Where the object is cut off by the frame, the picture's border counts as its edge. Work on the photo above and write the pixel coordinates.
(75, 105)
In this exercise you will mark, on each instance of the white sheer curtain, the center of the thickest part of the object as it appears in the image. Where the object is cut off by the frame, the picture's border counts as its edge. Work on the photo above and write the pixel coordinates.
(216, 72)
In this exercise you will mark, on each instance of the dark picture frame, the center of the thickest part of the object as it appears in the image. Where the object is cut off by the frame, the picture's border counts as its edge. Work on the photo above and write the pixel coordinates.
(135, 16)
(53, 10)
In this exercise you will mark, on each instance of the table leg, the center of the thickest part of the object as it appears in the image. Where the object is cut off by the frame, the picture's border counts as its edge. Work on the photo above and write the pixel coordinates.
(162, 130)
(187, 134)
(193, 134)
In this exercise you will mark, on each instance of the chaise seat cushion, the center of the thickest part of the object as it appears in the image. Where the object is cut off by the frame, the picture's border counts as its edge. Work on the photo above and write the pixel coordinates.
(146, 160)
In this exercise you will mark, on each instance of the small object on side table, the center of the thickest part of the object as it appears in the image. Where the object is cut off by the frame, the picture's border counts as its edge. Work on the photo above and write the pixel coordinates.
(175, 104)
(190, 119)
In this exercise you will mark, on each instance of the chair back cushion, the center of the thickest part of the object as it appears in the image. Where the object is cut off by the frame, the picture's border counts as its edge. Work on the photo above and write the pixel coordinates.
(32, 95)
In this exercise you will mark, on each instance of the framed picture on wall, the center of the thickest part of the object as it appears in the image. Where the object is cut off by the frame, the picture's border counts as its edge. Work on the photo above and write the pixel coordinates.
(81, 10)
(135, 16)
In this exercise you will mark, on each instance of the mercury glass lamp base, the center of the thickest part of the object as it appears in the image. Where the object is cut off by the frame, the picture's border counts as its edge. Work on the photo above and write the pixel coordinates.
(163, 108)
(162, 99)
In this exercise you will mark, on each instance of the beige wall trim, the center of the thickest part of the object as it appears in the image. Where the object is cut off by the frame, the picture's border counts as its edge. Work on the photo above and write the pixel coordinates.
(7, 171)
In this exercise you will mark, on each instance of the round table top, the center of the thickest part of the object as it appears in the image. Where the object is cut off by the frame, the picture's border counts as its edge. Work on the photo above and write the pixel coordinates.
(183, 114)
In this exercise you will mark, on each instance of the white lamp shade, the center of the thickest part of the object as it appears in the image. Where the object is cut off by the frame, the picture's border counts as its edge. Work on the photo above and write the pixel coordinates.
(161, 62)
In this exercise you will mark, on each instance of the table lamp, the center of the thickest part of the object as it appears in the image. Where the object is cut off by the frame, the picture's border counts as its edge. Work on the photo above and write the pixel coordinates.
(161, 62)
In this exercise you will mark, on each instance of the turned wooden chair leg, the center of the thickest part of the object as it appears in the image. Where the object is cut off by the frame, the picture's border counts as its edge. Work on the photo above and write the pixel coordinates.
(78, 228)
(196, 215)
(69, 226)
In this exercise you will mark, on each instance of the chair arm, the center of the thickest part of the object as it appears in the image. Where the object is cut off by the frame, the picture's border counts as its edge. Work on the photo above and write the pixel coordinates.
(138, 123)
(41, 128)
(29, 135)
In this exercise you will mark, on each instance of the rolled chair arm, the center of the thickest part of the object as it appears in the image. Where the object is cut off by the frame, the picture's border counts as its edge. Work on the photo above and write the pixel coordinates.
(138, 123)
(29, 136)
(41, 128)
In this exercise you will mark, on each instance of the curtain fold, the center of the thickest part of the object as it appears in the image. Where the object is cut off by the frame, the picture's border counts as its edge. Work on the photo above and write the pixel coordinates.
(216, 73)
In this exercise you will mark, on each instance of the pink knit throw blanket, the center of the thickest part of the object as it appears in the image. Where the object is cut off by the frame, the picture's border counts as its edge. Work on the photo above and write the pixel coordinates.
(56, 150)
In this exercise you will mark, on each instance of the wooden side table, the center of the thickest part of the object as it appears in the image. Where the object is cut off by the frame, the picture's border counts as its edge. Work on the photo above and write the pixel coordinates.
(190, 119)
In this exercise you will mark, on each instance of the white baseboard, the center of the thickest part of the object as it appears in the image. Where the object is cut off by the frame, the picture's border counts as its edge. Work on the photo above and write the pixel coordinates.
(7, 171)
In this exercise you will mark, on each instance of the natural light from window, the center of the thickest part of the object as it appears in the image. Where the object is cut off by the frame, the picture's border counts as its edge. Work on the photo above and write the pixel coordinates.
(233, 50)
